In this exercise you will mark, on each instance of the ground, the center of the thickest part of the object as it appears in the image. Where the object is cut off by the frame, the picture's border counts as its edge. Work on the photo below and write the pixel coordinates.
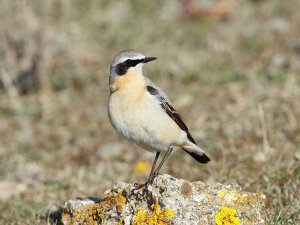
(235, 81)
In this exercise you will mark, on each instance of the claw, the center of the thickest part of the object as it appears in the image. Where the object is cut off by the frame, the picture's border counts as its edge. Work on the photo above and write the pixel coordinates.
(151, 178)
(138, 186)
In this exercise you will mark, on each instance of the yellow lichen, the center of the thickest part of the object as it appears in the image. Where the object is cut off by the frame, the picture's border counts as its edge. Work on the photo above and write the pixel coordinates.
(88, 215)
(120, 202)
(140, 217)
(221, 193)
(95, 213)
(169, 213)
(156, 217)
(227, 216)
(240, 197)
(121, 221)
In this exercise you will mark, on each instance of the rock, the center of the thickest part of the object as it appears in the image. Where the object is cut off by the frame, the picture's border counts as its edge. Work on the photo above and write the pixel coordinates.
(168, 201)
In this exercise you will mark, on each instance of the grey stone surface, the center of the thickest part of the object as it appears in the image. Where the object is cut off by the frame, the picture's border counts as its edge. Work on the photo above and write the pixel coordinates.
(169, 201)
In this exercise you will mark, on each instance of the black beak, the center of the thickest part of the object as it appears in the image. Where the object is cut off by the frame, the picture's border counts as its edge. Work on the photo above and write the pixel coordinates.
(149, 59)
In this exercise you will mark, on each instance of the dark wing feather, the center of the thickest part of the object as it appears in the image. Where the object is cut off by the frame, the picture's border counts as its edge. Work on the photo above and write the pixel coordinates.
(168, 108)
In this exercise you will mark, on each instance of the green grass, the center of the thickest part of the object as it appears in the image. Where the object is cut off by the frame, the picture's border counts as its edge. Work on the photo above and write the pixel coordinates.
(235, 82)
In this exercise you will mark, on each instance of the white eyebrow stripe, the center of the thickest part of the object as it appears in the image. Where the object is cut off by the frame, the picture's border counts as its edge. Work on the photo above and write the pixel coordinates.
(132, 58)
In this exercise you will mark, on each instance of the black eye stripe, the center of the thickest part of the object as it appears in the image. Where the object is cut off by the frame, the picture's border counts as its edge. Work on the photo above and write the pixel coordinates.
(133, 62)
(122, 68)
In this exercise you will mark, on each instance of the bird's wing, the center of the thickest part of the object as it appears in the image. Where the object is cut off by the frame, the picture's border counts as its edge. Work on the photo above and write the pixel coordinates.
(167, 107)
(160, 92)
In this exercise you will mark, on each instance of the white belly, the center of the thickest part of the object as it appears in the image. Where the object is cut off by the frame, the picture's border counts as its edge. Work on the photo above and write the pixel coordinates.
(144, 122)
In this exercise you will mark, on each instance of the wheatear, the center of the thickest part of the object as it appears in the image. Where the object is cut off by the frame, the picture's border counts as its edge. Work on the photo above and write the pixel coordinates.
(141, 112)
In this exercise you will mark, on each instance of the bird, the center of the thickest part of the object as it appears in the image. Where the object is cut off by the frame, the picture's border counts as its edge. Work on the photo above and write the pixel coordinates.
(141, 112)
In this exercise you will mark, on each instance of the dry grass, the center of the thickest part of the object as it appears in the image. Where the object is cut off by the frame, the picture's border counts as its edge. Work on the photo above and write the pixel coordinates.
(235, 82)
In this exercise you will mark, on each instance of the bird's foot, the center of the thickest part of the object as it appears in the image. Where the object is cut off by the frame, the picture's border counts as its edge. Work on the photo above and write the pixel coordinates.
(149, 181)
(138, 186)
(151, 178)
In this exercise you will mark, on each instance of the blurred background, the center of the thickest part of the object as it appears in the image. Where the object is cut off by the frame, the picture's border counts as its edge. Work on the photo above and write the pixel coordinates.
(231, 68)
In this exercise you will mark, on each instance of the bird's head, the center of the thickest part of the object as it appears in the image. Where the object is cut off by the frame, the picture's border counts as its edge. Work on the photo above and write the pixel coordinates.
(127, 61)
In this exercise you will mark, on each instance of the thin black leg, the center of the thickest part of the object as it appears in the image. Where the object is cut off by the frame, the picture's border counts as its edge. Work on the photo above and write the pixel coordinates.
(153, 165)
(170, 149)
(151, 175)
(154, 172)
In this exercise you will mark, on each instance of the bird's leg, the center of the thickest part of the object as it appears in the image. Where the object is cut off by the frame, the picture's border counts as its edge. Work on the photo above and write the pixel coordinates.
(151, 173)
(155, 173)
(153, 166)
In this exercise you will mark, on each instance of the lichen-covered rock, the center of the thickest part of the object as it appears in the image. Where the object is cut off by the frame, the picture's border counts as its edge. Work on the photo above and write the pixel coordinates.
(168, 201)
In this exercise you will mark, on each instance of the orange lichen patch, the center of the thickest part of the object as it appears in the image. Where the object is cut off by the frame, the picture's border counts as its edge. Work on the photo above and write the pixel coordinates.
(120, 201)
(121, 221)
(186, 189)
(227, 216)
(95, 213)
(142, 167)
(66, 215)
(156, 217)
(91, 214)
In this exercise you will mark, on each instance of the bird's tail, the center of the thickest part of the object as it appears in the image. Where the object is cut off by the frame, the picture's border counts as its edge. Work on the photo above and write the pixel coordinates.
(196, 152)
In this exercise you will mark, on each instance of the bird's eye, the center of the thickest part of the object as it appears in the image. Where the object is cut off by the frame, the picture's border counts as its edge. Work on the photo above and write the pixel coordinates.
(129, 62)
(121, 69)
